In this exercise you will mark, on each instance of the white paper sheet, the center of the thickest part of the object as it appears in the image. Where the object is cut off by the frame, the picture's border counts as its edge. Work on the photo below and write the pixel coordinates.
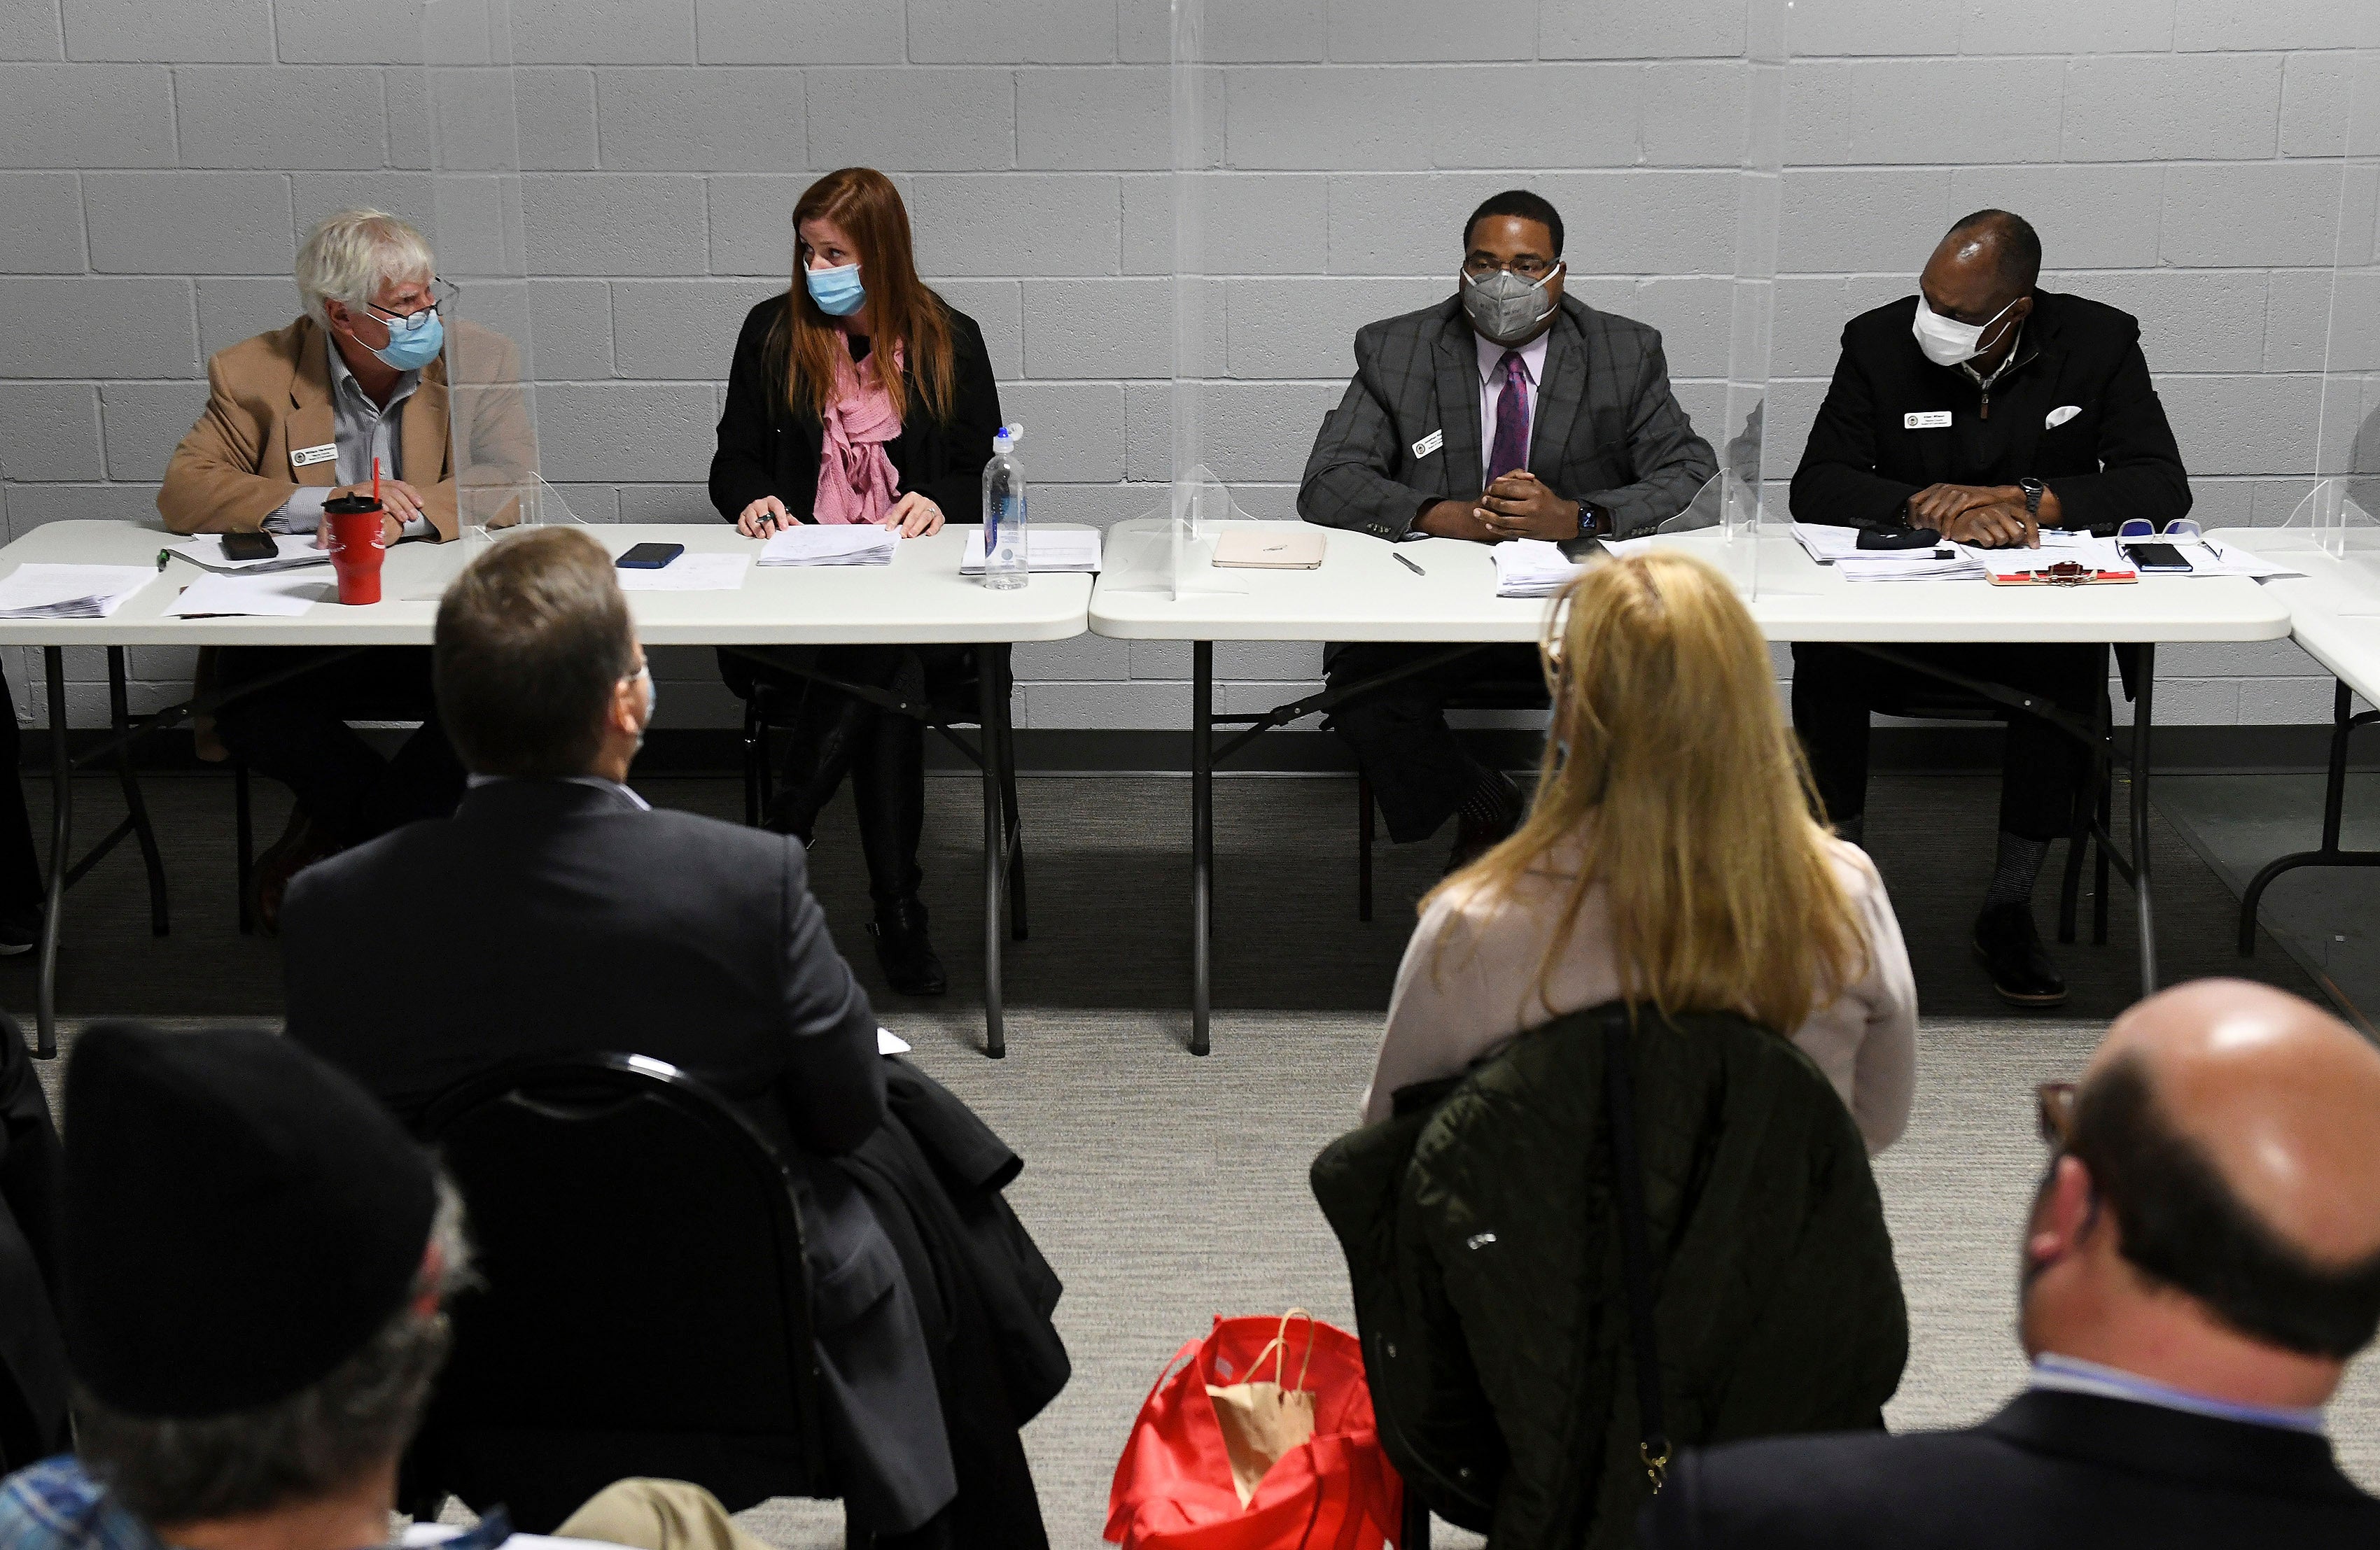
(690, 572)
(270, 596)
(1531, 568)
(858, 543)
(291, 551)
(1046, 549)
(37, 591)
(890, 1043)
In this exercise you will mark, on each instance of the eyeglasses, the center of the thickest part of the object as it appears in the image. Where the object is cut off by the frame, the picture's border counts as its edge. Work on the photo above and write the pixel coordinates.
(1529, 267)
(407, 322)
(2181, 529)
(2056, 1113)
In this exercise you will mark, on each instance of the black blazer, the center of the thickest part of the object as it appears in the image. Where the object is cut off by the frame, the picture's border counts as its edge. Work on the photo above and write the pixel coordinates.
(2052, 1470)
(766, 449)
(552, 917)
(2114, 458)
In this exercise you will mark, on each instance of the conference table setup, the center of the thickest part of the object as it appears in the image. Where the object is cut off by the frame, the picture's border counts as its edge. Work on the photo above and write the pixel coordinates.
(1433, 590)
(921, 597)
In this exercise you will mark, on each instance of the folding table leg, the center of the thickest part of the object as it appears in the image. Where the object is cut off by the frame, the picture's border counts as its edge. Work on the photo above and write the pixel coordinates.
(45, 1000)
(120, 716)
(995, 869)
(2344, 721)
(2142, 721)
(1202, 835)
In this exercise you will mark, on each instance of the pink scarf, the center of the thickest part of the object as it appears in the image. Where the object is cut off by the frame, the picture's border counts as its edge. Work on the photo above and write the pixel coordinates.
(856, 481)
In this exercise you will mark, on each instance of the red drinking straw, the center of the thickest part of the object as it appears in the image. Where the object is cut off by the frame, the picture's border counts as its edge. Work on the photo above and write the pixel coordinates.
(375, 481)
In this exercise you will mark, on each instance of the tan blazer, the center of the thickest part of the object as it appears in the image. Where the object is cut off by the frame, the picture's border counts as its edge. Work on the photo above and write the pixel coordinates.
(271, 396)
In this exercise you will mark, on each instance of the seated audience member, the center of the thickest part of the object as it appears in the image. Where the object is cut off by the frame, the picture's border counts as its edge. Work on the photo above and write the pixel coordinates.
(2202, 1263)
(1989, 409)
(1506, 411)
(568, 916)
(816, 430)
(1670, 856)
(293, 419)
(255, 1256)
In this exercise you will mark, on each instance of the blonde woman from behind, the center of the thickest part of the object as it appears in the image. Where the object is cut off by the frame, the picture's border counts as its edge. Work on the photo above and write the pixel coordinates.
(1670, 859)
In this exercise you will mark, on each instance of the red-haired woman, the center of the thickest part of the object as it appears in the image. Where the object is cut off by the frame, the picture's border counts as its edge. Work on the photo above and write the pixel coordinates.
(859, 395)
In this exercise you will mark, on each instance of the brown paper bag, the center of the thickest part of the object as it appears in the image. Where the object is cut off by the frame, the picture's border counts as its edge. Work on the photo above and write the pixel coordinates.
(1262, 1421)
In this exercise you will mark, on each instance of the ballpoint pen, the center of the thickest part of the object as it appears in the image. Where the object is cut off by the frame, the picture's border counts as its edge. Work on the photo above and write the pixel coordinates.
(1407, 564)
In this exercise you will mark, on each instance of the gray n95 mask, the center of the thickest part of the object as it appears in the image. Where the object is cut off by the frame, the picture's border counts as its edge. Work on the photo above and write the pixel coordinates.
(1506, 309)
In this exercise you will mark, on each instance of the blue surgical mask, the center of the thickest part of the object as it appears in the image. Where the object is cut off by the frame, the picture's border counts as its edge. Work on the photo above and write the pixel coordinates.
(837, 291)
(410, 349)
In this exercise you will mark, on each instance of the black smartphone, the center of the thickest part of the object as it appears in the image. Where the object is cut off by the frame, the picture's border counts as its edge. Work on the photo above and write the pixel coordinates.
(1899, 537)
(2156, 557)
(651, 556)
(250, 546)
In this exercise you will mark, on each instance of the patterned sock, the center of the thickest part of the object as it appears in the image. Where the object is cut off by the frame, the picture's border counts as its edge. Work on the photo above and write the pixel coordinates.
(2015, 872)
(1492, 802)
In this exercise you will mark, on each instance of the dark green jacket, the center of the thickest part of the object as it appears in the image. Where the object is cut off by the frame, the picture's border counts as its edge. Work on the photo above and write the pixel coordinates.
(1481, 1236)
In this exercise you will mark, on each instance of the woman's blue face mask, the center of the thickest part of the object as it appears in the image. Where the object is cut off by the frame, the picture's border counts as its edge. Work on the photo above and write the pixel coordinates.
(837, 291)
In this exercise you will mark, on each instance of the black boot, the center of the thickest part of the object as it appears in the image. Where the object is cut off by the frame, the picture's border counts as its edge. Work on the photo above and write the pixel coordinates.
(889, 789)
(2010, 946)
(827, 736)
(910, 964)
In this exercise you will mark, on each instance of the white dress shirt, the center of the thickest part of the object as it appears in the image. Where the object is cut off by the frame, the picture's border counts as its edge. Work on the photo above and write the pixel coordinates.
(2072, 1374)
(363, 431)
(1491, 389)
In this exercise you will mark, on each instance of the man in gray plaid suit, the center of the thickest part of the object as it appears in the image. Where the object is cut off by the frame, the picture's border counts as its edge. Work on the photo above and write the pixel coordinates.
(1507, 411)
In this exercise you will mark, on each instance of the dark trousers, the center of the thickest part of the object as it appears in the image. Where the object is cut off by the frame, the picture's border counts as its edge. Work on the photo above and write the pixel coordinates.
(835, 733)
(2042, 769)
(1419, 772)
(295, 730)
(20, 867)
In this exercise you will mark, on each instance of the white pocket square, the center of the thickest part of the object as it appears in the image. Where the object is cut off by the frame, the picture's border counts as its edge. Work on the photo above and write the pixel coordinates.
(2061, 414)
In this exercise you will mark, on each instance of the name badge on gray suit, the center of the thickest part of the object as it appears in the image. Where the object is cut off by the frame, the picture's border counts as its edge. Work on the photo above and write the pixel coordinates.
(1429, 443)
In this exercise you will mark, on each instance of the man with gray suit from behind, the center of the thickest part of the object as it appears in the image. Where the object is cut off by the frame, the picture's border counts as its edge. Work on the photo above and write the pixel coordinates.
(1507, 411)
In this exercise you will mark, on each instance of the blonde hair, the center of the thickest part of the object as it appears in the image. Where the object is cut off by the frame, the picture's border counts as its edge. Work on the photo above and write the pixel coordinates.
(1671, 778)
(349, 255)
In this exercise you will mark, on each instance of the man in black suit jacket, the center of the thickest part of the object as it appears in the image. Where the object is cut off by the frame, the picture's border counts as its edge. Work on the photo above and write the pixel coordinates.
(1508, 411)
(1988, 410)
(2203, 1261)
(555, 912)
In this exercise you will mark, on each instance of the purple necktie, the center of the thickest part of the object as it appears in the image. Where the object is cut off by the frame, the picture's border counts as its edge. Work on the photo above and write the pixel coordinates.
(1511, 449)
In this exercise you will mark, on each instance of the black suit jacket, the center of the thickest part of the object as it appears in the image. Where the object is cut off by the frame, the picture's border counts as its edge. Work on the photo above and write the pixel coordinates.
(551, 916)
(1607, 427)
(767, 449)
(2114, 458)
(2051, 1470)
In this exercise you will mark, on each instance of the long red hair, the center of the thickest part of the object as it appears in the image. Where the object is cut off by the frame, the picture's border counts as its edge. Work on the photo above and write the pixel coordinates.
(900, 311)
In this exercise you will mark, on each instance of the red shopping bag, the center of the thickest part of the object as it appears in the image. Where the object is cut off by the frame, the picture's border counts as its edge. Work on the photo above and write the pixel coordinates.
(1336, 1491)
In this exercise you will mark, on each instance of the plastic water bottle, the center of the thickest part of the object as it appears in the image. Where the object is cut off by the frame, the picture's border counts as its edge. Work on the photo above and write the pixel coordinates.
(1004, 563)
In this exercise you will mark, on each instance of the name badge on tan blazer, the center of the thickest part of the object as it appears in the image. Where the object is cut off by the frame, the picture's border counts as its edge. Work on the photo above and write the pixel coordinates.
(306, 457)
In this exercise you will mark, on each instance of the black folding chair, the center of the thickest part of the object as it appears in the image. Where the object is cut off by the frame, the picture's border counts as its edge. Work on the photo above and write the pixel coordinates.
(643, 1306)
(1488, 694)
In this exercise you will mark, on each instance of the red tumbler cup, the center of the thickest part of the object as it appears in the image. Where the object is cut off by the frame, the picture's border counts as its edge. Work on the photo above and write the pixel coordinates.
(354, 525)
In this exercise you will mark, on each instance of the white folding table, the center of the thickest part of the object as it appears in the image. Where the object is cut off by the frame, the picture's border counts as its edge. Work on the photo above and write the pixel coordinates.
(1362, 592)
(919, 598)
(2335, 616)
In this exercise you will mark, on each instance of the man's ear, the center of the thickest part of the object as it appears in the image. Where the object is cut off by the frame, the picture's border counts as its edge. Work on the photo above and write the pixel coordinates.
(2065, 1214)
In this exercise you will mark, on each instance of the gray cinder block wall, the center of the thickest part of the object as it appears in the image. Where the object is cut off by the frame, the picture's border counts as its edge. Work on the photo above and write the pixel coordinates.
(162, 157)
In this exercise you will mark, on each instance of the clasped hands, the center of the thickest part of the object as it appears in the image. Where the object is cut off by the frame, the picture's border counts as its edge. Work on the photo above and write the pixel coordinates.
(912, 516)
(1518, 505)
(1988, 516)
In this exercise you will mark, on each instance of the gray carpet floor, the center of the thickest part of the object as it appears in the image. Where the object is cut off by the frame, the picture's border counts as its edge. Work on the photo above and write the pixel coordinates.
(1166, 1188)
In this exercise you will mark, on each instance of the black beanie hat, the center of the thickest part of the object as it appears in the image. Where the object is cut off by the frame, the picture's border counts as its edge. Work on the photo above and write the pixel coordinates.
(240, 1218)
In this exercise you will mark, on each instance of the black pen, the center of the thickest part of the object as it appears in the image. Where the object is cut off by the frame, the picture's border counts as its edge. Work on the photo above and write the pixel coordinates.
(1407, 564)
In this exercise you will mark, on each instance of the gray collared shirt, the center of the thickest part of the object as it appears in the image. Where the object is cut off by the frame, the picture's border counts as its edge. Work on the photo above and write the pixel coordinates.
(363, 431)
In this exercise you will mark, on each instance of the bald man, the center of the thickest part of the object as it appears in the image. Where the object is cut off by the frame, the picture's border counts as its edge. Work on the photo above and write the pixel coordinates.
(2202, 1263)
(1988, 410)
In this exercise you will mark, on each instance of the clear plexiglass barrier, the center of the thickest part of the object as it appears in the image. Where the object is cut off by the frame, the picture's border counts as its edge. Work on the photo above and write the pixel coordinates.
(482, 246)
(2342, 511)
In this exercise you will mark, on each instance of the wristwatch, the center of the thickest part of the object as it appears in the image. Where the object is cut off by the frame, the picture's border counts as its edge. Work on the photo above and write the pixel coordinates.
(1590, 520)
(2033, 490)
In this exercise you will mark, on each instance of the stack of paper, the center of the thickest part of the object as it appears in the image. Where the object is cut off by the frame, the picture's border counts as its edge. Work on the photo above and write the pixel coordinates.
(70, 591)
(291, 549)
(1046, 549)
(2057, 546)
(858, 544)
(251, 596)
(1532, 568)
(1827, 543)
(1908, 564)
(2213, 557)
(691, 572)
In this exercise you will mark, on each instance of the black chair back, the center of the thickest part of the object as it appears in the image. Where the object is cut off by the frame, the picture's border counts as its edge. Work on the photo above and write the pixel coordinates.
(643, 1304)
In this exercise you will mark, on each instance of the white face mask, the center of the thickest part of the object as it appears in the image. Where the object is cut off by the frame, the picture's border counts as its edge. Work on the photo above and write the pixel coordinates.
(1945, 341)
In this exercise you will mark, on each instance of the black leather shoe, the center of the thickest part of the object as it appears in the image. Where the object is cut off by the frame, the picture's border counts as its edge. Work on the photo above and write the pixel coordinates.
(902, 947)
(2010, 951)
(1474, 839)
(20, 933)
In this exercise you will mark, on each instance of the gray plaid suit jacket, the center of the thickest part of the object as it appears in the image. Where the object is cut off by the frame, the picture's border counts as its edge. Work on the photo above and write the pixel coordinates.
(1608, 429)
